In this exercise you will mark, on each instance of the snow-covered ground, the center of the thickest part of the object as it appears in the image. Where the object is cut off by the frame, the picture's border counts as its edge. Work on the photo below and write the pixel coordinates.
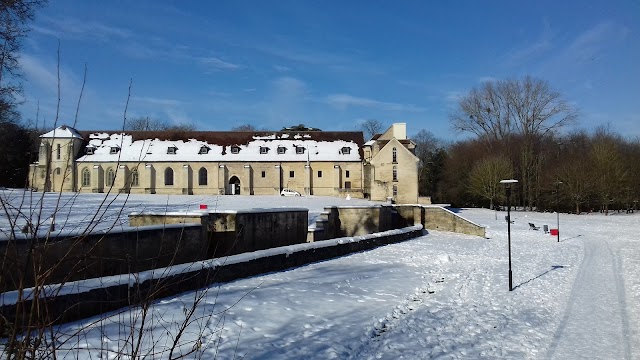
(440, 296)
(77, 212)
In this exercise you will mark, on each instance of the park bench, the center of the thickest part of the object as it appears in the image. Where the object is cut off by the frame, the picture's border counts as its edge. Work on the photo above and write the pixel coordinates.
(533, 226)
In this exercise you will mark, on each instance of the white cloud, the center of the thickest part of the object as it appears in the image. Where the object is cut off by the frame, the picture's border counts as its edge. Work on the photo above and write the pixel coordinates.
(79, 29)
(157, 101)
(216, 64)
(38, 72)
(588, 44)
(343, 101)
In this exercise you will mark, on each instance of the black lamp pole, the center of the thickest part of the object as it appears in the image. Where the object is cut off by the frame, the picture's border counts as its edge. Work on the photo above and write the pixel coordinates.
(508, 184)
(557, 210)
(509, 233)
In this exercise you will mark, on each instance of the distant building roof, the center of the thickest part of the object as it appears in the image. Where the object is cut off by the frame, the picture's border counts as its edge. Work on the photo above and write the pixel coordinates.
(62, 132)
(149, 146)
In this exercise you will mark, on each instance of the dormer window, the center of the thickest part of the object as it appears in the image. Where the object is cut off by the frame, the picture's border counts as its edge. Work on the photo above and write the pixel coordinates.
(89, 150)
(235, 149)
(172, 150)
(282, 149)
(299, 150)
(204, 150)
(345, 150)
(114, 150)
(264, 150)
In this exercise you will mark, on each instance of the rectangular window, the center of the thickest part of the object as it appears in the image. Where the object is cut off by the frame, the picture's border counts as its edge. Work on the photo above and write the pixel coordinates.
(58, 152)
(395, 173)
(292, 174)
(90, 150)
(299, 150)
(281, 150)
(264, 150)
(319, 173)
(170, 150)
(235, 150)
(203, 150)
(264, 174)
(346, 173)
(345, 150)
(347, 184)
(114, 150)
(395, 190)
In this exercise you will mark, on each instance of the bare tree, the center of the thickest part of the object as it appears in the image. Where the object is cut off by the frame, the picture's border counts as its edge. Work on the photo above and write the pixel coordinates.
(145, 123)
(500, 108)
(430, 152)
(244, 127)
(528, 108)
(14, 16)
(371, 127)
(485, 176)
(608, 170)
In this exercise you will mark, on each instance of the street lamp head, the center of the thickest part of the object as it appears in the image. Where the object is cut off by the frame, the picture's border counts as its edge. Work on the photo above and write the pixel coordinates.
(508, 182)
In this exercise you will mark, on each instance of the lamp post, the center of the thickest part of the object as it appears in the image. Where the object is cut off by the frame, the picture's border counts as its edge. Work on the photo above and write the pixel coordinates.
(507, 184)
(557, 210)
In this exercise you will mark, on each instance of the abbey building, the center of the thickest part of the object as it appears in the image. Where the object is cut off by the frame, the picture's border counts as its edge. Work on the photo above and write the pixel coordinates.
(320, 163)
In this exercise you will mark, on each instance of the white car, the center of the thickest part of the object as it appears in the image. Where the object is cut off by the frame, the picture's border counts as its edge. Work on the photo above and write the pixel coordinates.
(289, 192)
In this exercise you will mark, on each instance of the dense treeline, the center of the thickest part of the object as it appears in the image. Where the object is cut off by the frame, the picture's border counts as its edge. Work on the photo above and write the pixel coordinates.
(598, 171)
(517, 134)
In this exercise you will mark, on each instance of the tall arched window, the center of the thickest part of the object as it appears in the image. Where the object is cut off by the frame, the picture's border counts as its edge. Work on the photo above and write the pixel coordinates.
(135, 178)
(168, 176)
(395, 155)
(111, 176)
(86, 177)
(202, 176)
(395, 173)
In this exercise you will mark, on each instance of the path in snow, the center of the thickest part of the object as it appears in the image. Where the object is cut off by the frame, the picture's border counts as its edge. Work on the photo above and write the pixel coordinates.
(596, 306)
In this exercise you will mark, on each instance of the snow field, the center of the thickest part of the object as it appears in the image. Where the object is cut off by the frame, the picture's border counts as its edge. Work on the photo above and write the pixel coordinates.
(440, 296)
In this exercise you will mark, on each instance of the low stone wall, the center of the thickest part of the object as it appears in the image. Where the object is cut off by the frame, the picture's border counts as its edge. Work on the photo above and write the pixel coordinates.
(338, 221)
(74, 257)
(439, 218)
(108, 294)
(236, 232)
(83, 256)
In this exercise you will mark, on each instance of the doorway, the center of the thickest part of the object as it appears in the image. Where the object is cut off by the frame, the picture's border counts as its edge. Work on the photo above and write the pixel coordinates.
(234, 185)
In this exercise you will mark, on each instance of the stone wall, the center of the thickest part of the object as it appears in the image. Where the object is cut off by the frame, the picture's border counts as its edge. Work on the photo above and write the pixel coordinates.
(237, 232)
(439, 218)
(85, 256)
(171, 240)
(188, 277)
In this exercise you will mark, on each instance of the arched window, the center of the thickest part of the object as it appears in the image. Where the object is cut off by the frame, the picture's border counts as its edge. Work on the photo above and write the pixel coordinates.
(111, 176)
(202, 176)
(395, 155)
(168, 176)
(395, 173)
(86, 177)
(135, 178)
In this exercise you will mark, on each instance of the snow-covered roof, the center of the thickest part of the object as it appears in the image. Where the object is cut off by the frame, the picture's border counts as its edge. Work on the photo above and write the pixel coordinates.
(257, 147)
(62, 132)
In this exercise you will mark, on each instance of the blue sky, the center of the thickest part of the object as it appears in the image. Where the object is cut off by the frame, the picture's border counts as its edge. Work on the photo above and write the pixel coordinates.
(327, 64)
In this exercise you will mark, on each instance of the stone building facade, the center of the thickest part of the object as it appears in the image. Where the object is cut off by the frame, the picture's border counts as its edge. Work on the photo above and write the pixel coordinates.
(229, 163)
